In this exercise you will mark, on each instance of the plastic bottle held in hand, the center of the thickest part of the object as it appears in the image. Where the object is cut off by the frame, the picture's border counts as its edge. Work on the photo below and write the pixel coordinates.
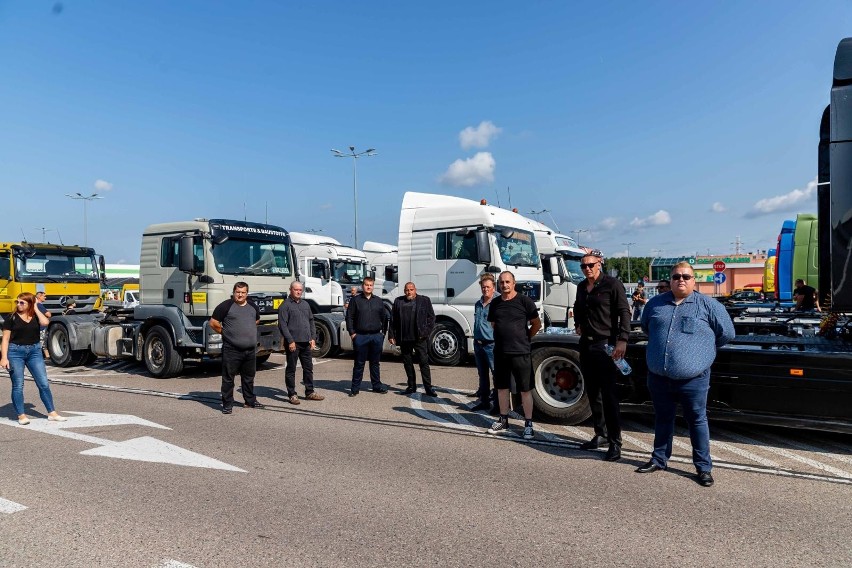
(622, 365)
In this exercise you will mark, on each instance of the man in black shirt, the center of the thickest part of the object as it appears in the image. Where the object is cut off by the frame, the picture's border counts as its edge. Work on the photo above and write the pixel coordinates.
(412, 320)
(602, 318)
(296, 323)
(367, 322)
(805, 297)
(509, 315)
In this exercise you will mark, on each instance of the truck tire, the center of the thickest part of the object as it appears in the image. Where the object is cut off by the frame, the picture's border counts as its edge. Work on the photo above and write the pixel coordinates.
(159, 354)
(445, 344)
(324, 344)
(559, 389)
(59, 347)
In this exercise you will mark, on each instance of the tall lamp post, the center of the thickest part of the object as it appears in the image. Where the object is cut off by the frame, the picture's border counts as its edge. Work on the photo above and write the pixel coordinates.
(578, 231)
(86, 199)
(629, 273)
(354, 155)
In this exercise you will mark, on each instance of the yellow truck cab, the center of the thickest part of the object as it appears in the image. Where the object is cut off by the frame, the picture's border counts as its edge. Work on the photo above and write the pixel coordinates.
(64, 273)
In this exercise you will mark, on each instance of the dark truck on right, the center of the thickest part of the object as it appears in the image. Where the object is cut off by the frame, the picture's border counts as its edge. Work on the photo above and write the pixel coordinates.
(783, 368)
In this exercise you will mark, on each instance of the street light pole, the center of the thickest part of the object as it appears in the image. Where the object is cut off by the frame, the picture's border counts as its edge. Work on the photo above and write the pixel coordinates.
(629, 273)
(578, 231)
(86, 199)
(354, 155)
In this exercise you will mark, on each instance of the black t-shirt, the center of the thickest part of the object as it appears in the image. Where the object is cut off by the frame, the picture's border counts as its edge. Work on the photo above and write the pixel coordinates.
(808, 300)
(510, 319)
(23, 333)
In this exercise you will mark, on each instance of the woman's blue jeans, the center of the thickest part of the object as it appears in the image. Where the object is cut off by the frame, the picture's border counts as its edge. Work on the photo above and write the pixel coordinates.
(31, 357)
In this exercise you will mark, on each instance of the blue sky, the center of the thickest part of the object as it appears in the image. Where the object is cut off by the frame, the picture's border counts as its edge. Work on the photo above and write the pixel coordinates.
(626, 119)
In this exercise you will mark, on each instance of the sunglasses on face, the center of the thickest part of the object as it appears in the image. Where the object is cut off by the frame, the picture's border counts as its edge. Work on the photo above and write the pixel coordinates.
(587, 265)
(682, 277)
(22, 302)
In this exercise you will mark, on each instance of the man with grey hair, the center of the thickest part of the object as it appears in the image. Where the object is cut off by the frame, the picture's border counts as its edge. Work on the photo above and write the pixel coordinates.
(296, 323)
(684, 330)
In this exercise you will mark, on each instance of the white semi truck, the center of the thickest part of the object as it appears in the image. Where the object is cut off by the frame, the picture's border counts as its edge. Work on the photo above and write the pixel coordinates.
(383, 263)
(186, 269)
(560, 261)
(445, 244)
(327, 269)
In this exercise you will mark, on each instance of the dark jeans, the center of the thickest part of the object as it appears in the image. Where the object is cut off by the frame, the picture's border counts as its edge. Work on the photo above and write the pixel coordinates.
(600, 375)
(368, 347)
(31, 357)
(666, 393)
(422, 348)
(244, 362)
(303, 355)
(483, 354)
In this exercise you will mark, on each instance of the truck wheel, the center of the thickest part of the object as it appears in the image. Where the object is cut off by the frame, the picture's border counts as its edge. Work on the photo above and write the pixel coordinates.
(445, 344)
(160, 356)
(59, 346)
(324, 342)
(559, 391)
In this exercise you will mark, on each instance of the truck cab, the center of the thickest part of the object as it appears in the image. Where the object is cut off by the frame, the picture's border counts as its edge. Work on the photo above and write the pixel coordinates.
(328, 270)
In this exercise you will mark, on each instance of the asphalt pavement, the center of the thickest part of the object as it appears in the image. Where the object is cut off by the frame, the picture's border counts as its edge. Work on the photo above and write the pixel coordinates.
(148, 472)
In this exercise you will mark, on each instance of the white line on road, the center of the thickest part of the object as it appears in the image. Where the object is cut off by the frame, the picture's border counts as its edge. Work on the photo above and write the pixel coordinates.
(169, 563)
(808, 448)
(8, 507)
(678, 443)
(787, 454)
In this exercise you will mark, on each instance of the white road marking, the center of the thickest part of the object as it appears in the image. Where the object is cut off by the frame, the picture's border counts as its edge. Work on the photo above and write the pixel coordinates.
(808, 448)
(8, 507)
(145, 449)
(417, 406)
(169, 563)
(787, 454)
(677, 443)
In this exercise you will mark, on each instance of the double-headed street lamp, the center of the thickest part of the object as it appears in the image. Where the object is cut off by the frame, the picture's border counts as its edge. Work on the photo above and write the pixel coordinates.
(578, 231)
(354, 155)
(86, 199)
(629, 274)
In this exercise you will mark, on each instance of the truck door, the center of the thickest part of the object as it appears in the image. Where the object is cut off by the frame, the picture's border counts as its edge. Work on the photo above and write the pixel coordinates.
(459, 253)
(320, 273)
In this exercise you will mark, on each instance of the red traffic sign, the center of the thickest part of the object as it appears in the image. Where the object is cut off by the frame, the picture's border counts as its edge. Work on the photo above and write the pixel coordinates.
(719, 266)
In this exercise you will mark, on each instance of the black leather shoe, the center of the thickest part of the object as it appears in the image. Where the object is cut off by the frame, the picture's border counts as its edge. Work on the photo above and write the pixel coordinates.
(481, 406)
(475, 395)
(227, 410)
(705, 479)
(649, 467)
(613, 454)
(432, 393)
(254, 405)
(353, 393)
(381, 390)
(594, 443)
(409, 390)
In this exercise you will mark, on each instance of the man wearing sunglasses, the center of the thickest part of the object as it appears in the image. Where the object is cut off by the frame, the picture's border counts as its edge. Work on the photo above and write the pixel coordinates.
(684, 330)
(602, 318)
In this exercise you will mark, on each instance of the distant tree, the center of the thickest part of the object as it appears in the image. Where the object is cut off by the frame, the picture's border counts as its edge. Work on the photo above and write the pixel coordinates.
(640, 267)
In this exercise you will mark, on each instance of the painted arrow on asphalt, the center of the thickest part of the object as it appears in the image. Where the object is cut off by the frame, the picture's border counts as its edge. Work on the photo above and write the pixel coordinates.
(145, 449)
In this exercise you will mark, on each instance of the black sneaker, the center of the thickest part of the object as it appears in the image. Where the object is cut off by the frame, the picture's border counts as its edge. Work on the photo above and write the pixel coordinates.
(499, 427)
(353, 393)
(254, 404)
(227, 410)
(383, 389)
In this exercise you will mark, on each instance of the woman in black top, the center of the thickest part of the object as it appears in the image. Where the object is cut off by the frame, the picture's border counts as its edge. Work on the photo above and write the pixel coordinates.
(22, 348)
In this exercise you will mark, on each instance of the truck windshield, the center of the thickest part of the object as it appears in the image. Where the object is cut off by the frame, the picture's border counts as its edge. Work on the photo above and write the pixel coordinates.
(256, 258)
(56, 267)
(518, 249)
(572, 264)
(348, 271)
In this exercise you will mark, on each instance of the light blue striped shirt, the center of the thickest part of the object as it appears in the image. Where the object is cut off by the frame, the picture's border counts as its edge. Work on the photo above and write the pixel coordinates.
(683, 338)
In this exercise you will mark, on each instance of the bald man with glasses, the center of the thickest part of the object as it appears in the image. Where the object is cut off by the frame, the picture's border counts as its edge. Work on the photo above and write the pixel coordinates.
(684, 330)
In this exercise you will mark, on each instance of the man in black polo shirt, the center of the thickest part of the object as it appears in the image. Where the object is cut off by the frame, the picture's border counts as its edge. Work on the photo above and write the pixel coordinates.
(236, 319)
(509, 315)
(367, 322)
(805, 297)
(602, 318)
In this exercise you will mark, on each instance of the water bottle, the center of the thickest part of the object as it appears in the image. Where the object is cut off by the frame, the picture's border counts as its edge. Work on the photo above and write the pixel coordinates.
(622, 365)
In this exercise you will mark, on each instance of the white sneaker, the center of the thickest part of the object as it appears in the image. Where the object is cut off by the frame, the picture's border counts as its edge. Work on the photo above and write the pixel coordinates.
(499, 427)
(56, 418)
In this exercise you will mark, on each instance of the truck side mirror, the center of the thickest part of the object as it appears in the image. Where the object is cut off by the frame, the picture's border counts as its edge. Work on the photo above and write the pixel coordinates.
(554, 270)
(102, 267)
(326, 271)
(186, 255)
(483, 248)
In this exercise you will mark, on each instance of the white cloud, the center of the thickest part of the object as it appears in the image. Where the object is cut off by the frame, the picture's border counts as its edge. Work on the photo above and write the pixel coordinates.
(103, 185)
(326, 206)
(717, 207)
(480, 136)
(470, 172)
(661, 217)
(788, 202)
(608, 224)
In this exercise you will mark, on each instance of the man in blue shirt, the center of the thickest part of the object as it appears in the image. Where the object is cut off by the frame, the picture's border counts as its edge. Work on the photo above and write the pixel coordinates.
(483, 346)
(684, 330)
